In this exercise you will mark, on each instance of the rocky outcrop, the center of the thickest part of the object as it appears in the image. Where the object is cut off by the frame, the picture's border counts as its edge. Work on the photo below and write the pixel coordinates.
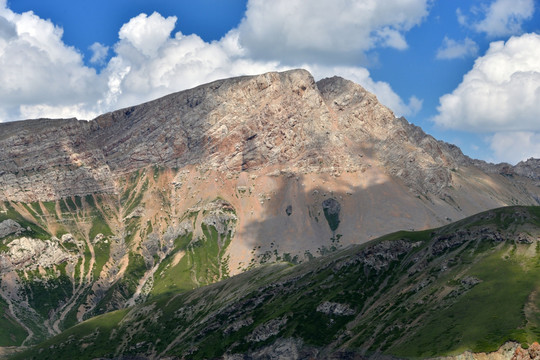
(529, 168)
(531, 353)
(381, 255)
(30, 254)
(8, 227)
(267, 330)
(509, 351)
(444, 242)
(332, 208)
(333, 308)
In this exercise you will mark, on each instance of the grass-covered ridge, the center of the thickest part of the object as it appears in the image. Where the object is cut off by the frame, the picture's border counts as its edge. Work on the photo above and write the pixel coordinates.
(471, 285)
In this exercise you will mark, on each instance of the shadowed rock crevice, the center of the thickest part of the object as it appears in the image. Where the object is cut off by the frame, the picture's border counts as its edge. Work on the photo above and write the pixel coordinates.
(332, 208)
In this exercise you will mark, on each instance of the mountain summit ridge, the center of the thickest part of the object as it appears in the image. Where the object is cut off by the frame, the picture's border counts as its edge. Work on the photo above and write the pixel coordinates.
(278, 121)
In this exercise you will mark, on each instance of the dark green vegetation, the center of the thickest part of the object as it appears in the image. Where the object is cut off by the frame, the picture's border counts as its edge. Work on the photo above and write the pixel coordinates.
(332, 208)
(48, 288)
(471, 285)
(46, 291)
(11, 332)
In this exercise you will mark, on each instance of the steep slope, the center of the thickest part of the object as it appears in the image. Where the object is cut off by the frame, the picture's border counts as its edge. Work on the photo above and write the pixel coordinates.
(202, 184)
(472, 285)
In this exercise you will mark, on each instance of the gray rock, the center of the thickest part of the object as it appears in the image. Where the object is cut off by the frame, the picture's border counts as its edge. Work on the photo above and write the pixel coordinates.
(29, 254)
(216, 127)
(470, 281)
(267, 330)
(8, 227)
(333, 308)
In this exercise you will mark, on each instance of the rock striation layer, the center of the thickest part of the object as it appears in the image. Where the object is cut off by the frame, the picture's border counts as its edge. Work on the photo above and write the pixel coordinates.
(233, 125)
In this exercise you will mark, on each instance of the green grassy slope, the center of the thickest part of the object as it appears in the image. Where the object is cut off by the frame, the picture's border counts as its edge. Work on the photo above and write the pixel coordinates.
(471, 285)
(11, 332)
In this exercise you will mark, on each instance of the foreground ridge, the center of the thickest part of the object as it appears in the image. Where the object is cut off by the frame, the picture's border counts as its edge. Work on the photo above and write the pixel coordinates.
(470, 285)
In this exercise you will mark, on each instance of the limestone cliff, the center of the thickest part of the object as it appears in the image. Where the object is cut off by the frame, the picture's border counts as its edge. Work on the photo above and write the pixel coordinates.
(246, 124)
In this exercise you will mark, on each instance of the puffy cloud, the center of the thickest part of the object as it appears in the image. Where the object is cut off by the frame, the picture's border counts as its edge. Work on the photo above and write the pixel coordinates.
(500, 93)
(513, 147)
(502, 17)
(36, 67)
(8, 30)
(391, 38)
(148, 33)
(336, 31)
(452, 49)
(99, 53)
(180, 62)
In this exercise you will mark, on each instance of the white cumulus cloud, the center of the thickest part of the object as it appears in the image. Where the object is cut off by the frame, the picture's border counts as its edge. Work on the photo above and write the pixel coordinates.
(337, 31)
(500, 17)
(147, 33)
(516, 146)
(36, 67)
(99, 53)
(452, 49)
(500, 93)
(504, 17)
(179, 62)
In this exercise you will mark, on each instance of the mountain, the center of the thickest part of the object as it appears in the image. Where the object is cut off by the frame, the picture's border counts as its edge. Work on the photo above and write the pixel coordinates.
(192, 188)
(471, 285)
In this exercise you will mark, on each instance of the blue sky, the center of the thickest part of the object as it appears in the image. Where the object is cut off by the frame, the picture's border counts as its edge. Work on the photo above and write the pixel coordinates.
(467, 72)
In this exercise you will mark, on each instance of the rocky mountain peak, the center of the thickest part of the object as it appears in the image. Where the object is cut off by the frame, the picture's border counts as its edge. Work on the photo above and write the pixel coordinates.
(284, 122)
(529, 168)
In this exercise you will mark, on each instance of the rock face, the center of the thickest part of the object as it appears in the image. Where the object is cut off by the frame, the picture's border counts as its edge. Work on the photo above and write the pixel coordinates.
(529, 168)
(509, 351)
(265, 143)
(47, 159)
(332, 308)
(8, 227)
(230, 126)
